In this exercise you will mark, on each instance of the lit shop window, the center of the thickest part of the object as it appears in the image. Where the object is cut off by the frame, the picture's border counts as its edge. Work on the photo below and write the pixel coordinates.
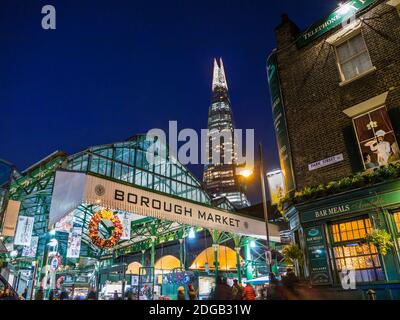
(376, 139)
(353, 58)
(397, 220)
(396, 216)
(356, 255)
(351, 230)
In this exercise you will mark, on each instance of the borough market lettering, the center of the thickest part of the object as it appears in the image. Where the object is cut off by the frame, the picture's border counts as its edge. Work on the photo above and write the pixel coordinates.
(164, 206)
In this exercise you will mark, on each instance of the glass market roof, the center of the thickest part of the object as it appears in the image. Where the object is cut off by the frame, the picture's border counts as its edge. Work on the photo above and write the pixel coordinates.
(124, 161)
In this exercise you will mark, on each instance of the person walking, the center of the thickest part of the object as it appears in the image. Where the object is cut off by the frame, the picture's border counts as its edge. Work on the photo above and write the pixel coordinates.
(25, 293)
(222, 290)
(181, 293)
(130, 295)
(64, 294)
(274, 289)
(51, 295)
(290, 281)
(91, 295)
(249, 293)
(192, 292)
(237, 290)
(39, 293)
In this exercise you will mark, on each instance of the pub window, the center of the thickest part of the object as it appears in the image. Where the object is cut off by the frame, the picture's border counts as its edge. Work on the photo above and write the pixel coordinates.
(353, 58)
(351, 252)
(397, 220)
(376, 139)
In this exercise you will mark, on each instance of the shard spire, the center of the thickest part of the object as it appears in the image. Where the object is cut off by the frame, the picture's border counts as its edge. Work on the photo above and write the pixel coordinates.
(219, 78)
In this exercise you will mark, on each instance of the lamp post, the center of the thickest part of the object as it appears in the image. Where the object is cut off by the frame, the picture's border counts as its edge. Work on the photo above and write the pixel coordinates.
(246, 172)
(265, 207)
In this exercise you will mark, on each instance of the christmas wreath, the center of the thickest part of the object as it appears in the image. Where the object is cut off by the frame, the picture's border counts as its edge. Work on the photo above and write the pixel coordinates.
(94, 229)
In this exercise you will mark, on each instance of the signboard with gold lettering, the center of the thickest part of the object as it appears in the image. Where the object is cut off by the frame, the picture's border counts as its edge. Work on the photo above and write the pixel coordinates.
(317, 256)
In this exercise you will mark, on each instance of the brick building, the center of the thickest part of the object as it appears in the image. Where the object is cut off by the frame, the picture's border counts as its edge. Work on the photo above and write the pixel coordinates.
(315, 94)
(335, 91)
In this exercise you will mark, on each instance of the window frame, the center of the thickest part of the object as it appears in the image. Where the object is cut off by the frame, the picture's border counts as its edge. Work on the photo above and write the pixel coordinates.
(396, 228)
(355, 129)
(339, 63)
(340, 244)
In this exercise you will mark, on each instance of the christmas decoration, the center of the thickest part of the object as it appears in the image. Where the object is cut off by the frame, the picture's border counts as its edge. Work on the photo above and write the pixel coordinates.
(94, 229)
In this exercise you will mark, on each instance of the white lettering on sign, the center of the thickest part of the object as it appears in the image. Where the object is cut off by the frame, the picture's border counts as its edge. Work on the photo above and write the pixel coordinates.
(144, 202)
(332, 211)
(325, 162)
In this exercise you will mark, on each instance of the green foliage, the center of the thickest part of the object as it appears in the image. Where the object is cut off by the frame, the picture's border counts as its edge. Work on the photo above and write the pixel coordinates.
(381, 239)
(291, 253)
(359, 180)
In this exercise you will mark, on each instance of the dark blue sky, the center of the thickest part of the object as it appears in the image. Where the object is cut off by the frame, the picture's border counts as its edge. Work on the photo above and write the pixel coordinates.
(116, 68)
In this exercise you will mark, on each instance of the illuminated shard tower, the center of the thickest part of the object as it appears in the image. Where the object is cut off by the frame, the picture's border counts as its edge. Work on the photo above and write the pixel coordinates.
(219, 174)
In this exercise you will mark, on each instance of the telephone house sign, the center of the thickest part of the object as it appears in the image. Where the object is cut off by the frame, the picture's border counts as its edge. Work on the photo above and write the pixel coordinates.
(340, 15)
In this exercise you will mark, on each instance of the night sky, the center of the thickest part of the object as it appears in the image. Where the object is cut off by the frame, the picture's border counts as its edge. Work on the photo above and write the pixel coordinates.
(112, 69)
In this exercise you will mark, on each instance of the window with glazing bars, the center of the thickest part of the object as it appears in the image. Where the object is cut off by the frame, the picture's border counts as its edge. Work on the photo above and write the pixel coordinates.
(353, 58)
(352, 253)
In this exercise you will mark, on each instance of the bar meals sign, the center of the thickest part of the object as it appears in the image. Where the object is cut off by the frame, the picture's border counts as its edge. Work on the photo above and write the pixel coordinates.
(325, 162)
(340, 15)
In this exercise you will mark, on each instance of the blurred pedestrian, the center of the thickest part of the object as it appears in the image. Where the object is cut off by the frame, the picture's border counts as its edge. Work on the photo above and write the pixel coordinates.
(192, 292)
(39, 293)
(249, 293)
(25, 293)
(237, 290)
(181, 293)
(51, 295)
(64, 294)
(274, 290)
(290, 281)
(116, 295)
(91, 294)
(130, 295)
(222, 290)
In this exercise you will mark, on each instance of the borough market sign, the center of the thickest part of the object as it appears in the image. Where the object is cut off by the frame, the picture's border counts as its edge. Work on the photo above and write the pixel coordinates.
(343, 13)
(72, 189)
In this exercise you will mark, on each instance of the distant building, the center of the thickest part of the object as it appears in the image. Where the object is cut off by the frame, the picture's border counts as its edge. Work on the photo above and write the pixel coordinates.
(335, 91)
(220, 178)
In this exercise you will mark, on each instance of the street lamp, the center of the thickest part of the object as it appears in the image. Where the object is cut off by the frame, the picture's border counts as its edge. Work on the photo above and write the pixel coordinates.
(245, 172)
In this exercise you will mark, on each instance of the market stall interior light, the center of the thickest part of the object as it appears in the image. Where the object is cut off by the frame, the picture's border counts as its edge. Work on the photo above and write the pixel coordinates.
(13, 254)
(192, 234)
(52, 232)
(253, 244)
(53, 242)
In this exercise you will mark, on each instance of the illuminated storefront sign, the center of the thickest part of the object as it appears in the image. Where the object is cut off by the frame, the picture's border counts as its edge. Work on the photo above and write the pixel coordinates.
(128, 198)
(343, 13)
(276, 186)
(278, 115)
(319, 269)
